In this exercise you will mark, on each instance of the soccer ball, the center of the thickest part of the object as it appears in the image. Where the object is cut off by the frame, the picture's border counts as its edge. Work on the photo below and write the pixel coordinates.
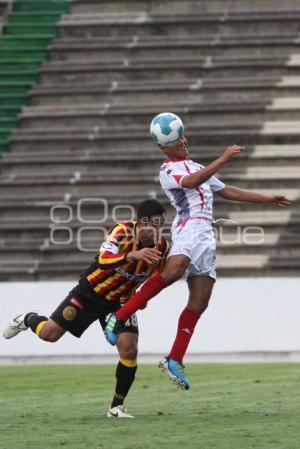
(166, 128)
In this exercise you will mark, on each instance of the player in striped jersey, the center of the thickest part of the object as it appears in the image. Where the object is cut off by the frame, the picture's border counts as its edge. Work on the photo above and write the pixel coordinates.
(132, 252)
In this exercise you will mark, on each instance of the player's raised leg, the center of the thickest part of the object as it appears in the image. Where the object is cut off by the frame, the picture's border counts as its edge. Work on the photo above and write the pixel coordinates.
(174, 269)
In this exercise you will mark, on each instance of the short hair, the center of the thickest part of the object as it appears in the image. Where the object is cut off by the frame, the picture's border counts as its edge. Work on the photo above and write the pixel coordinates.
(149, 208)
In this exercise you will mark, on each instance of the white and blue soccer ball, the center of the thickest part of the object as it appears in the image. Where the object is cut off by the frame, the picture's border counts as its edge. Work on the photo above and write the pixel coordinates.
(166, 128)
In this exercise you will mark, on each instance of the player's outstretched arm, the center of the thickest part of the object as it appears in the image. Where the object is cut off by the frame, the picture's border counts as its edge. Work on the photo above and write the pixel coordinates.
(201, 176)
(236, 194)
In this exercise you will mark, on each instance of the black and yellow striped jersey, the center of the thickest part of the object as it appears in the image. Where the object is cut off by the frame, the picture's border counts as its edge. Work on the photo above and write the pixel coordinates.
(111, 275)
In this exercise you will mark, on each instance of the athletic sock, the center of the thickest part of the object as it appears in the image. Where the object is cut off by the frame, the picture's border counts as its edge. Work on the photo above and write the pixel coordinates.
(125, 374)
(148, 290)
(35, 322)
(186, 325)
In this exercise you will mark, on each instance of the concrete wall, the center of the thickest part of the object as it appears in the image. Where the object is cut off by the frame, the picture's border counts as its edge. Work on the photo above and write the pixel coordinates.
(259, 314)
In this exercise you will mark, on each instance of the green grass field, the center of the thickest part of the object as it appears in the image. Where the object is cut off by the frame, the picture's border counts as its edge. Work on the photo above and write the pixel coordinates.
(228, 407)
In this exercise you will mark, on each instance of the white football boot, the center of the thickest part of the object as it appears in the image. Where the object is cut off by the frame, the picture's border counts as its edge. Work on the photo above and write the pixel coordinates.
(120, 411)
(16, 326)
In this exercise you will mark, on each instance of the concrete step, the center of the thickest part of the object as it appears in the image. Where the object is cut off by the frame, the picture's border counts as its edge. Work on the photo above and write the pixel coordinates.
(65, 186)
(56, 252)
(45, 231)
(147, 186)
(278, 251)
(61, 164)
(65, 234)
(119, 139)
(21, 245)
(200, 153)
(270, 220)
(254, 158)
(46, 200)
(191, 90)
(93, 203)
(125, 211)
(264, 217)
(83, 183)
(170, 69)
(118, 209)
(141, 24)
(63, 268)
(36, 270)
(186, 46)
(106, 115)
(182, 6)
(228, 239)
(232, 238)
(257, 265)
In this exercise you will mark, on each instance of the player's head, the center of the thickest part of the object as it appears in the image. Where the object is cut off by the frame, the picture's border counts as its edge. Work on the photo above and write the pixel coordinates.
(177, 150)
(167, 131)
(151, 216)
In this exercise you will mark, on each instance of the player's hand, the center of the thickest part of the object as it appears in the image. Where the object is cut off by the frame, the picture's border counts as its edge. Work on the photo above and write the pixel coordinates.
(231, 151)
(148, 255)
(279, 201)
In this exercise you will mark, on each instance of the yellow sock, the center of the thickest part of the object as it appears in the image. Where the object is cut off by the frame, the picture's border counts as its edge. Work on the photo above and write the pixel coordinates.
(40, 327)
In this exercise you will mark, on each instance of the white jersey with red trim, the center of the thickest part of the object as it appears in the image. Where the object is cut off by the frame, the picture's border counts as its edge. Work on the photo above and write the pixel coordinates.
(189, 203)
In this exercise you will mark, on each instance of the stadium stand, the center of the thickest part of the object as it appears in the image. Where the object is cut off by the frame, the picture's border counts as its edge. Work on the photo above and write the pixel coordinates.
(5, 8)
(23, 48)
(230, 71)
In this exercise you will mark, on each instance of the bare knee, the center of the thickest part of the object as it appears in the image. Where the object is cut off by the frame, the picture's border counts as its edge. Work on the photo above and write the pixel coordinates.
(198, 303)
(172, 275)
(128, 346)
(51, 332)
(200, 293)
(129, 353)
(175, 268)
(198, 307)
(51, 337)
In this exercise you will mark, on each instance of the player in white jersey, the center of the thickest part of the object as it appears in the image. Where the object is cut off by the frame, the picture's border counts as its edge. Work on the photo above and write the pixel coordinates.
(190, 188)
(192, 233)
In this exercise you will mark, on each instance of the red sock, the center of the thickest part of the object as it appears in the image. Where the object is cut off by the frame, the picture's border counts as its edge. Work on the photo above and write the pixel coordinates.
(148, 290)
(186, 325)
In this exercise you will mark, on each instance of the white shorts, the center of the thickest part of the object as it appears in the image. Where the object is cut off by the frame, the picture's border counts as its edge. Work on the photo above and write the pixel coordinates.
(196, 240)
